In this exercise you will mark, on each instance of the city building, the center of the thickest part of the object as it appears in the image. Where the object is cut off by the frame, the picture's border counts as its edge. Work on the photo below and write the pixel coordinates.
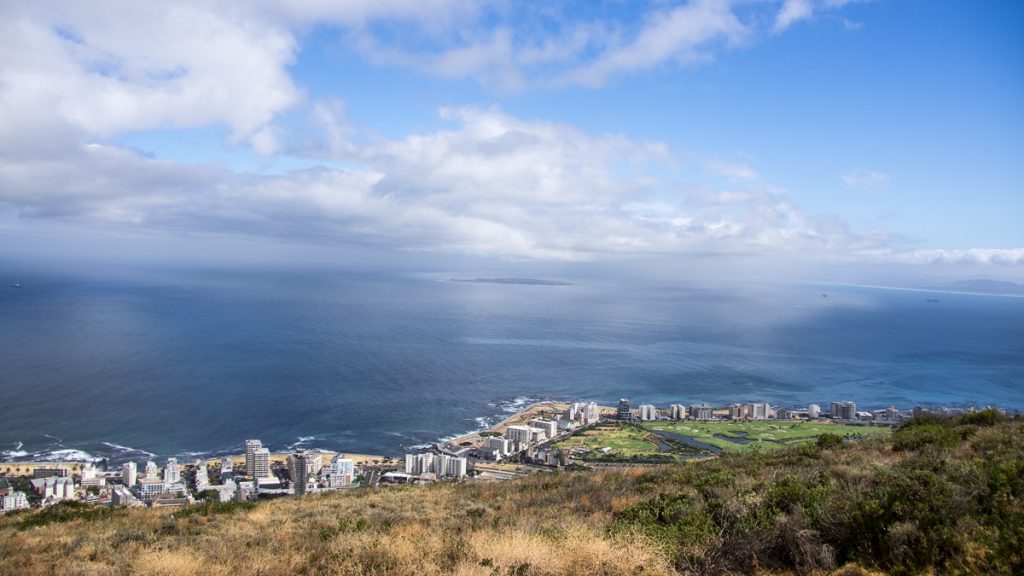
(416, 464)
(677, 412)
(737, 411)
(623, 412)
(121, 496)
(759, 411)
(227, 469)
(171, 473)
(202, 476)
(150, 486)
(502, 445)
(151, 469)
(450, 466)
(253, 459)
(813, 411)
(13, 500)
(648, 412)
(519, 434)
(45, 472)
(54, 487)
(584, 413)
(441, 466)
(129, 474)
(701, 412)
(844, 410)
(299, 470)
(550, 427)
(339, 473)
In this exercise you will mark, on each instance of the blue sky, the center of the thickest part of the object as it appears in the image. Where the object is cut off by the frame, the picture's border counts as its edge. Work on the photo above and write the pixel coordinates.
(835, 130)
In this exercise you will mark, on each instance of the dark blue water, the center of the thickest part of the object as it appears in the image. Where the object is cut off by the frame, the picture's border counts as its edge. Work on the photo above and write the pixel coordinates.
(198, 362)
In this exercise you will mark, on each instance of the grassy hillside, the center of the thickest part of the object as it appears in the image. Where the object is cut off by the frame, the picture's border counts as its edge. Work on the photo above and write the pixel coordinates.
(936, 496)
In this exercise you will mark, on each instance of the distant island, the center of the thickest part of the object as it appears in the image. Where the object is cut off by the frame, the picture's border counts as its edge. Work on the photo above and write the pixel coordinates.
(521, 281)
(988, 286)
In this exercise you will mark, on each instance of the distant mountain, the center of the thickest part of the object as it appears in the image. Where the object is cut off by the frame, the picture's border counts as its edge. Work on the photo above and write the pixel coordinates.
(523, 281)
(988, 286)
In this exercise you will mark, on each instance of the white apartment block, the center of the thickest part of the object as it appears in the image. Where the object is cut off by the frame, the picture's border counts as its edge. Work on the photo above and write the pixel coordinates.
(149, 487)
(502, 445)
(129, 473)
(151, 470)
(550, 427)
(442, 465)
(519, 434)
(257, 459)
(171, 473)
(339, 473)
(677, 412)
(759, 411)
(648, 413)
(14, 500)
(202, 476)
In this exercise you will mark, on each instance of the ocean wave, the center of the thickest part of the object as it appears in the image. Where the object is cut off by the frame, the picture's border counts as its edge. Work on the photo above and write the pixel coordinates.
(517, 404)
(64, 455)
(11, 454)
(127, 449)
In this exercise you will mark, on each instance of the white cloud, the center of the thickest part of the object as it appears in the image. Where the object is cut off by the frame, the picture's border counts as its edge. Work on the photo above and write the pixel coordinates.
(491, 185)
(984, 256)
(793, 11)
(864, 179)
(679, 35)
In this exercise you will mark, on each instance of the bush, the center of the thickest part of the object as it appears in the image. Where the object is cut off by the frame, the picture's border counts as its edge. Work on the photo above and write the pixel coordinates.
(829, 440)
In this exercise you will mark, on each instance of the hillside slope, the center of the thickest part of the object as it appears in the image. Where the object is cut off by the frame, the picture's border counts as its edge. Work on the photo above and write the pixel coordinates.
(943, 496)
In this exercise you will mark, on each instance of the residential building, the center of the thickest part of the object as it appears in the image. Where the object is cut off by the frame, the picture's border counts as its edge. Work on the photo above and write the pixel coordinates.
(844, 410)
(121, 496)
(677, 412)
(502, 445)
(150, 486)
(129, 474)
(737, 411)
(759, 411)
(339, 473)
(299, 469)
(13, 500)
(701, 412)
(648, 412)
(252, 447)
(450, 466)
(550, 427)
(151, 469)
(519, 434)
(227, 469)
(47, 472)
(623, 412)
(54, 487)
(202, 475)
(171, 473)
(813, 411)
(416, 464)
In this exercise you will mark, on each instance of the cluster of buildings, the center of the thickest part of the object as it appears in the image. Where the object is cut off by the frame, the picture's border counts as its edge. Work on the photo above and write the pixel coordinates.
(844, 411)
(175, 484)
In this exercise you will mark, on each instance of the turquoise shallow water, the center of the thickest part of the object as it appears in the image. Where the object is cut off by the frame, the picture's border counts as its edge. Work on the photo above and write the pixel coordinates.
(194, 363)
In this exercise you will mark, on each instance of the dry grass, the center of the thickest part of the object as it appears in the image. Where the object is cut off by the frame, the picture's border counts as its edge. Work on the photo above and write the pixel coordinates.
(544, 524)
(548, 524)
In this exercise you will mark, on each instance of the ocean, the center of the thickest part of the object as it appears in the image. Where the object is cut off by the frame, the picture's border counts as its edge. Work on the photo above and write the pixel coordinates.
(191, 364)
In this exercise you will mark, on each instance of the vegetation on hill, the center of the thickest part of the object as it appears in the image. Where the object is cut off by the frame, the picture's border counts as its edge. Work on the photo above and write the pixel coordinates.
(937, 496)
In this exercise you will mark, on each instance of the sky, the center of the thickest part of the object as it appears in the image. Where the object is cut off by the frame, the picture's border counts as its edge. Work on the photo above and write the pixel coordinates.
(856, 134)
